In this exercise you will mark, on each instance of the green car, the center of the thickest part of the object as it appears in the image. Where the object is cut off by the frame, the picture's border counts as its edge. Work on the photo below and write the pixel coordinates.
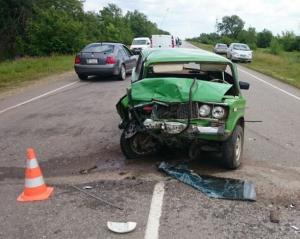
(183, 98)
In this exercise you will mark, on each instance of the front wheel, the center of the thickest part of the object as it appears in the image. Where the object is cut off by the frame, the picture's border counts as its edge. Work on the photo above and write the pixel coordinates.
(139, 145)
(232, 148)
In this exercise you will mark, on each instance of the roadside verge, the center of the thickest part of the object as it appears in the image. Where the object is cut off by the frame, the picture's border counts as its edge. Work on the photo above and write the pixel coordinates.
(284, 67)
(18, 72)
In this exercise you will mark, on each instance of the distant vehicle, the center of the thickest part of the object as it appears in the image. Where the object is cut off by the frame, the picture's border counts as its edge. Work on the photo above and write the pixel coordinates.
(220, 48)
(140, 43)
(239, 52)
(162, 41)
(178, 41)
(104, 59)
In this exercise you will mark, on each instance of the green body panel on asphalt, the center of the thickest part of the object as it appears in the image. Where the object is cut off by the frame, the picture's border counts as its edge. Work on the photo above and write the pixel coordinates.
(176, 90)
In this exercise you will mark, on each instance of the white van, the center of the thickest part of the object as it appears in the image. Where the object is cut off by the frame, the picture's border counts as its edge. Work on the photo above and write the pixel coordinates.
(162, 41)
(140, 43)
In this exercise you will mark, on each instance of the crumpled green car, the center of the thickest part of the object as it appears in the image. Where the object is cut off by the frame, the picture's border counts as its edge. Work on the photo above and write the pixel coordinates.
(183, 98)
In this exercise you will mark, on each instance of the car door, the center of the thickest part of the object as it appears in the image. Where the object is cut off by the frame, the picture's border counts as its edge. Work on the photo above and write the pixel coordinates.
(130, 59)
(229, 51)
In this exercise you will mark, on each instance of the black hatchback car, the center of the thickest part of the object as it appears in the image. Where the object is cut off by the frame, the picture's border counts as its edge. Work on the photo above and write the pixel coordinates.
(104, 58)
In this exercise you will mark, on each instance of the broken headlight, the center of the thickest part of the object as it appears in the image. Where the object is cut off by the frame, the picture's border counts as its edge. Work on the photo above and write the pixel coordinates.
(218, 112)
(204, 110)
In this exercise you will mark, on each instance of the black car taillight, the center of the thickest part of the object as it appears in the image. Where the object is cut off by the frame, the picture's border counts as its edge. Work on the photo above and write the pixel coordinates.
(110, 60)
(77, 60)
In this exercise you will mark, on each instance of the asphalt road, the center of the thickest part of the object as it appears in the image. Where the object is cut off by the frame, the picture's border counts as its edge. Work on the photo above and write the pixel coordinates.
(72, 125)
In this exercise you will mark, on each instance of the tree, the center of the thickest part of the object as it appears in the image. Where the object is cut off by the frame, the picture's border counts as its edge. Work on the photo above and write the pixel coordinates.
(44, 27)
(264, 38)
(115, 27)
(288, 40)
(275, 47)
(13, 17)
(230, 26)
(248, 37)
(53, 31)
(141, 26)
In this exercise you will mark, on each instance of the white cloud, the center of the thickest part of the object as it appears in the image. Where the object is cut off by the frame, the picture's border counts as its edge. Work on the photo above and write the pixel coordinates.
(187, 18)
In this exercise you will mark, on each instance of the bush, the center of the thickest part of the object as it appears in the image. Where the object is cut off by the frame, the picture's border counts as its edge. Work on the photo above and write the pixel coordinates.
(275, 47)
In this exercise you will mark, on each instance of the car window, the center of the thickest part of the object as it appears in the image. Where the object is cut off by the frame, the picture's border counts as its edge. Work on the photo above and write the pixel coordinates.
(202, 71)
(123, 53)
(99, 47)
(127, 51)
(242, 47)
(139, 42)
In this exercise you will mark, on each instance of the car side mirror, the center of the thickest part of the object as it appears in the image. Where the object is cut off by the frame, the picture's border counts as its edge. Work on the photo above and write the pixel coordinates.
(244, 85)
(148, 43)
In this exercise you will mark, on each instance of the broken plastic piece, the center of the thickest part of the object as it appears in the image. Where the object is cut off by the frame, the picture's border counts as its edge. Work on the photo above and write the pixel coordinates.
(214, 187)
(295, 228)
(121, 227)
(87, 187)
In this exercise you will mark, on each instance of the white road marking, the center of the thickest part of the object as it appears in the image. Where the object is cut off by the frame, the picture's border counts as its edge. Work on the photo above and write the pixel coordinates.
(152, 228)
(37, 97)
(269, 84)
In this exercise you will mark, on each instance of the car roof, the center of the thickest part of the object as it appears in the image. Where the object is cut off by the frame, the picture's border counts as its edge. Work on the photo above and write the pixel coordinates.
(107, 43)
(154, 55)
(141, 38)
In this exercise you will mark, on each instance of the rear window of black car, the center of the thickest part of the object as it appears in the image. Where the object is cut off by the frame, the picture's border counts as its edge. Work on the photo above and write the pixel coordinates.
(100, 48)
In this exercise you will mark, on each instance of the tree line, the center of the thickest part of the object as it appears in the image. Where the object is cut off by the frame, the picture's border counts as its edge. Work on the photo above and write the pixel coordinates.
(231, 29)
(45, 27)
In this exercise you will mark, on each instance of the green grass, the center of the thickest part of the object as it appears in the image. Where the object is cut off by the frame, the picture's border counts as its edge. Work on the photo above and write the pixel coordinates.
(284, 67)
(203, 46)
(15, 73)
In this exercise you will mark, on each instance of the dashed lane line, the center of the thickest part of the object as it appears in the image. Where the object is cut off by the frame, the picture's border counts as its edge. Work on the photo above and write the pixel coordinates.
(152, 228)
(37, 97)
(269, 84)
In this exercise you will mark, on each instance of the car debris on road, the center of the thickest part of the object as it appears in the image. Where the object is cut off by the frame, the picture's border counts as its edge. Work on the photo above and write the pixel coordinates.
(121, 227)
(96, 197)
(274, 216)
(224, 188)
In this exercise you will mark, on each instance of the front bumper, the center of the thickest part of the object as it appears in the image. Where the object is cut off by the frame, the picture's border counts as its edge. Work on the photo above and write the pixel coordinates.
(241, 58)
(96, 69)
(177, 127)
(221, 51)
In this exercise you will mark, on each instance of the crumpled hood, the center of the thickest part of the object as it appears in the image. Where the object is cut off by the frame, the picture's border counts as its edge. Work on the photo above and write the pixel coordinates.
(177, 90)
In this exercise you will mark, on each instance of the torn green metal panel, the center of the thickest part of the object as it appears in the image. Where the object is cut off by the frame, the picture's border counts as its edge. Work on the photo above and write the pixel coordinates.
(214, 187)
(177, 90)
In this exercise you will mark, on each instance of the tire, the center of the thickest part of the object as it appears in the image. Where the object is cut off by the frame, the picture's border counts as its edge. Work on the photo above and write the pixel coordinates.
(129, 149)
(232, 148)
(82, 76)
(122, 73)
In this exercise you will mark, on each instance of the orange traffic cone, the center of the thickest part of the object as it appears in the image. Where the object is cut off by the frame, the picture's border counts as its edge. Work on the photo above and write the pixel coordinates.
(35, 187)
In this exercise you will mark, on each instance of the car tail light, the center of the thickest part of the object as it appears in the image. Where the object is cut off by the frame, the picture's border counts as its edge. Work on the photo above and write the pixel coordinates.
(110, 60)
(77, 60)
(148, 108)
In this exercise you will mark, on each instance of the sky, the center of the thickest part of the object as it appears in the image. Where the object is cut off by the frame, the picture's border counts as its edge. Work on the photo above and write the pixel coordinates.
(189, 18)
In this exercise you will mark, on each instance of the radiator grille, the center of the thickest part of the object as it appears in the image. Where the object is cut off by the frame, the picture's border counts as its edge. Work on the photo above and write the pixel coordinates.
(176, 111)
